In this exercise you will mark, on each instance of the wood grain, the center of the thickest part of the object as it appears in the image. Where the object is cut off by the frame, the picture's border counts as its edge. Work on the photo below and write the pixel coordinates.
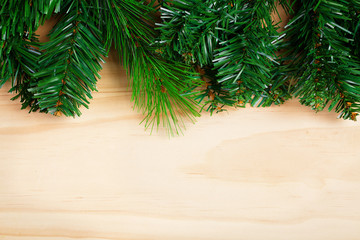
(274, 173)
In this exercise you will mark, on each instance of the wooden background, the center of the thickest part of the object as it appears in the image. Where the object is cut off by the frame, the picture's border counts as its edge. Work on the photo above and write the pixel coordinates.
(278, 173)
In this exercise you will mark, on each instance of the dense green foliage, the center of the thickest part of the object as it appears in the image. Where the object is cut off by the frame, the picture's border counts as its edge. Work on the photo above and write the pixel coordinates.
(160, 86)
(229, 46)
(69, 63)
(232, 42)
(58, 76)
(233, 45)
(321, 48)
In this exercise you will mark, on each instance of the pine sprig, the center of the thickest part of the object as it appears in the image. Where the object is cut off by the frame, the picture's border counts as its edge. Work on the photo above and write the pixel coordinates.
(322, 64)
(25, 58)
(233, 42)
(246, 56)
(70, 62)
(160, 87)
(19, 47)
(188, 29)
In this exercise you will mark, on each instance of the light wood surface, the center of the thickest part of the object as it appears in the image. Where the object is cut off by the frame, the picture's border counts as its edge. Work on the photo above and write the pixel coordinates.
(277, 173)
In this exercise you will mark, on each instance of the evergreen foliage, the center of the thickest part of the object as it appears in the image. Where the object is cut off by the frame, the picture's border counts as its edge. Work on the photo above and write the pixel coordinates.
(230, 46)
(18, 53)
(233, 44)
(70, 61)
(161, 87)
(322, 53)
(58, 76)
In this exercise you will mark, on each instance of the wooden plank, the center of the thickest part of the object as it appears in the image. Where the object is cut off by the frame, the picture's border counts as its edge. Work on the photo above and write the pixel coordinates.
(258, 173)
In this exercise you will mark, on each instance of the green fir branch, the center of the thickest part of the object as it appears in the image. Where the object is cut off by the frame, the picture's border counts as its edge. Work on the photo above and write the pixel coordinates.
(233, 43)
(19, 48)
(160, 86)
(70, 61)
(322, 66)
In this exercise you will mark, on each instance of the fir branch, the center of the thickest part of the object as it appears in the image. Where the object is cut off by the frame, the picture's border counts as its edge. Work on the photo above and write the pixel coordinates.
(246, 57)
(70, 62)
(160, 87)
(24, 58)
(354, 26)
(19, 48)
(232, 42)
(189, 29)
(322, 65)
